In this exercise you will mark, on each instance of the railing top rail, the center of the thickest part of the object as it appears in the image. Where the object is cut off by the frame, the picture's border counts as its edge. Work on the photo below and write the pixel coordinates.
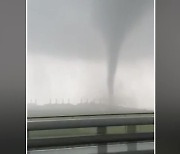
(90, 115)
(80, 122)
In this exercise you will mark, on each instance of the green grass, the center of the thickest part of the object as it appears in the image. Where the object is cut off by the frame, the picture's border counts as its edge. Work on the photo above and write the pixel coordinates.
(62, 132)
(90, 131)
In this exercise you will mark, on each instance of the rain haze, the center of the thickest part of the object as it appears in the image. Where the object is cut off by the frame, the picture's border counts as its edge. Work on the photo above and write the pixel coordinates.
(91, 51)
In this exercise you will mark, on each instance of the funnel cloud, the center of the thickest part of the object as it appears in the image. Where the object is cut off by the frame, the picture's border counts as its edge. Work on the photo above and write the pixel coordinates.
(116, 18)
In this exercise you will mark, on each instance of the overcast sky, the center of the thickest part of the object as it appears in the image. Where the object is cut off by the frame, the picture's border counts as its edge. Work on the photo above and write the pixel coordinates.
(68, 49)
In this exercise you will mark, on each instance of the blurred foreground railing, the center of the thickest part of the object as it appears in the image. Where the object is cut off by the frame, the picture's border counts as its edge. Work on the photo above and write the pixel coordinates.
(101, 138)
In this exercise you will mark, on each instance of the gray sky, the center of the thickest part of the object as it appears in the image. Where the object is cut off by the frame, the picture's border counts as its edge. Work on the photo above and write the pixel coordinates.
(73, 28)
(68, 46)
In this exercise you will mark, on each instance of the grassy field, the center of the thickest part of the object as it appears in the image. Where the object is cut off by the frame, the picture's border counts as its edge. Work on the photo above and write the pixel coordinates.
(87, 131)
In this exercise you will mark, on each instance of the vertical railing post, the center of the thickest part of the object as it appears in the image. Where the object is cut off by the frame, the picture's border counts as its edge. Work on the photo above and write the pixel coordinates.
(131, 129)
(102, 148)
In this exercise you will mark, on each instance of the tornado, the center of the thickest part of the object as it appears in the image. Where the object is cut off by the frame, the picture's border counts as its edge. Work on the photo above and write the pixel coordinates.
(115, 19)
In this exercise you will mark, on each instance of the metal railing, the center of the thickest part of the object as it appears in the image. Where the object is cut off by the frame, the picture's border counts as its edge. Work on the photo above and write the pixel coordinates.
(101, 139)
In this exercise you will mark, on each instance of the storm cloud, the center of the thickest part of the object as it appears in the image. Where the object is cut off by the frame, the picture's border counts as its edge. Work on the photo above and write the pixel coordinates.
(112, 40)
